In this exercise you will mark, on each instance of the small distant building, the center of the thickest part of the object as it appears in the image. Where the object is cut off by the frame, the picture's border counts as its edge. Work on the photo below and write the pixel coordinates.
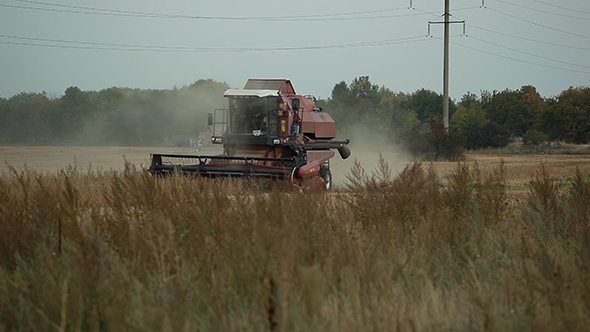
(192, 141)
(204, 138)
(183, 140)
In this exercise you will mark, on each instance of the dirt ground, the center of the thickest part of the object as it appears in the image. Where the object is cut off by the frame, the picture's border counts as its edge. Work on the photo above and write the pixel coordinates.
(519, 168)
(53, 158)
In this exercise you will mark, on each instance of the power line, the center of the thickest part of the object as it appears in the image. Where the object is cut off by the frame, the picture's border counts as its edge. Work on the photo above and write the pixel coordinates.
(126, 13)
(561, 7)
(530, 39)
(183, 16)
(537, 24)
(530, 54)
(519, 60)
(545, 11)
(68, 44)
(62, 8)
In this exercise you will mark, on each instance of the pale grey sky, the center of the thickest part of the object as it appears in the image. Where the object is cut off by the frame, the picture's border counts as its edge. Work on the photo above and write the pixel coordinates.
(49, 45)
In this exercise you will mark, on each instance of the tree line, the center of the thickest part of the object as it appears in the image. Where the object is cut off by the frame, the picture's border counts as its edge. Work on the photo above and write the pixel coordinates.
(113, 116)
(490, 119)
(124, 116)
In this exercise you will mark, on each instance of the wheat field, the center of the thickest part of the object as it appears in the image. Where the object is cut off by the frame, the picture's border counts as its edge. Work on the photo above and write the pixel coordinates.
(418, 247)
(520, 169)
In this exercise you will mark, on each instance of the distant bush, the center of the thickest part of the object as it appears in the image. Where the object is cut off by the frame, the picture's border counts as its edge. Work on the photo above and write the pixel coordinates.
(433, 142)
(534, 137)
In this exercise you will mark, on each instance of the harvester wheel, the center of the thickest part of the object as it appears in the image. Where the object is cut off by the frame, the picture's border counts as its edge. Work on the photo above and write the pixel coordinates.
(327, 176)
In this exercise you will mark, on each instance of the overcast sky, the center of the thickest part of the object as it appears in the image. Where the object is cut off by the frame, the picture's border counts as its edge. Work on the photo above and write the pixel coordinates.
(50, 45)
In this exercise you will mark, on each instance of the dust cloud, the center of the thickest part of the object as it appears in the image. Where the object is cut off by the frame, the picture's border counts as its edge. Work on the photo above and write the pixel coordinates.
(366, 145)
(153, 117)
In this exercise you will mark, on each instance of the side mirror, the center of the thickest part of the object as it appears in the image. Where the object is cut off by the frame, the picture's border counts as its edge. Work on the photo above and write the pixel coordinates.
(295, 104)
(210, 119)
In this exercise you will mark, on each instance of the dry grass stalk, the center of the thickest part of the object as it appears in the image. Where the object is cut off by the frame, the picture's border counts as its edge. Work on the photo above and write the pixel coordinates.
(409, 251)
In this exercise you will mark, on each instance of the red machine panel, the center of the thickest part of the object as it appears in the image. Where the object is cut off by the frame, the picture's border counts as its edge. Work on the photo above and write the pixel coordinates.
(319, 124)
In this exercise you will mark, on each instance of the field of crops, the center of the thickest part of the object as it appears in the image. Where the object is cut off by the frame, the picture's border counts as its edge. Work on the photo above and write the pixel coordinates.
(480, 245)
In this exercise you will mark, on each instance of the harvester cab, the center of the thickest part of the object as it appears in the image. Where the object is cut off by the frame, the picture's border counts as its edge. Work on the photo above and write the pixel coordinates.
(267, 131)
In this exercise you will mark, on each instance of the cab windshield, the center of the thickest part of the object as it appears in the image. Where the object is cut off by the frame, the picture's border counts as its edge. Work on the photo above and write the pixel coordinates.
(249, 115)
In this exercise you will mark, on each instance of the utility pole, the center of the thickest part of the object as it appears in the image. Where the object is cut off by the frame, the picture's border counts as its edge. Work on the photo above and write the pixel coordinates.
(446, 70)
(446, 22)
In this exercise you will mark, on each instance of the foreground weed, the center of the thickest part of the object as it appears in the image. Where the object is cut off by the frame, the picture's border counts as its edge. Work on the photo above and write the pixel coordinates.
(127, 251)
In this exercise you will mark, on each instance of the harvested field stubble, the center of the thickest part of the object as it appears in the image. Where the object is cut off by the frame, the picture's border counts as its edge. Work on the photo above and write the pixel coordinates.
(123, 251)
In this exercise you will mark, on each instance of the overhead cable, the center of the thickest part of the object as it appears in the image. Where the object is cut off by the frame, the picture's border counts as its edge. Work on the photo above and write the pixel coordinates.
(347, 16)
(561, 7)
(62, 8)
(530, 39)
(529, 54)
(520, 60)
(544, 11)
(537, 24)
(184, 16)
(58, 43)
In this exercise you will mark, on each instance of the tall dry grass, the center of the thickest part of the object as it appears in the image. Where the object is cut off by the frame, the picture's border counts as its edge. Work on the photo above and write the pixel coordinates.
(91, 251)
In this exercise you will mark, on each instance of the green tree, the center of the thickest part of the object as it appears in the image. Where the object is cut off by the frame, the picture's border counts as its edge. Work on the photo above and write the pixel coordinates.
(38, 122)
(26, 118)
(494, 135)
(469, 119)
(26, 98)
(534, 104)
(501, 105)
(469, 100)
(568, 116)
(6, 112)
(428, 104)
(432, 141)
(341, 93)
(364, 90)
(110, 99)
(354, 104)
(516, 110)
(393, 120)
(75, 107)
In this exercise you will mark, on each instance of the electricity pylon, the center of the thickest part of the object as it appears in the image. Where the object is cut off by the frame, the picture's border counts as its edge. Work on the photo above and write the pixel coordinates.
(446, 22)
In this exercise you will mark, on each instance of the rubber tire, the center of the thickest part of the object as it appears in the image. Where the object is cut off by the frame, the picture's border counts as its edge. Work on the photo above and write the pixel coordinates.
(326, 174)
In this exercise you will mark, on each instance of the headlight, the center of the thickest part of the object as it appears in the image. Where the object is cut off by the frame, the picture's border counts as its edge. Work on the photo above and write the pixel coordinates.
(276, 141)
(218, 140)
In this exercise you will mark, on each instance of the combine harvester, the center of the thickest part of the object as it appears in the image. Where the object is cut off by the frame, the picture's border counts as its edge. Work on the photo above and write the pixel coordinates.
(268, 131)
